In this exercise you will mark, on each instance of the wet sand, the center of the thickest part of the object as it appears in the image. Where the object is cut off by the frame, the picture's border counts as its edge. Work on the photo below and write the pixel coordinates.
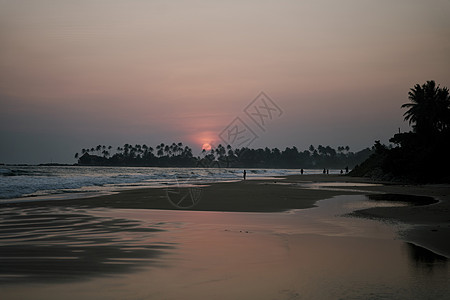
(110, 253)
(247, 239)
(431, 221)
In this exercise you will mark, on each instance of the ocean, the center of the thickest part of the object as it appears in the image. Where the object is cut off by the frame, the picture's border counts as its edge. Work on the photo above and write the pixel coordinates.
(32, 183)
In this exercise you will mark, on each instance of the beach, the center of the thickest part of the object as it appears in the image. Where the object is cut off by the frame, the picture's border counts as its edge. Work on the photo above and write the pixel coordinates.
(431, 222)
(268, 239)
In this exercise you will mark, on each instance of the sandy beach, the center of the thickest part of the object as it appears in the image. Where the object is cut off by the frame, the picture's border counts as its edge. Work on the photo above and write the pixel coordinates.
(279, 238)
(431, 220)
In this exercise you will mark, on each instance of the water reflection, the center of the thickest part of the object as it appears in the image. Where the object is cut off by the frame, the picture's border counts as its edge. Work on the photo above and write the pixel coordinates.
(425, 259)
(409, 199)
(302, 254)
(55, 245)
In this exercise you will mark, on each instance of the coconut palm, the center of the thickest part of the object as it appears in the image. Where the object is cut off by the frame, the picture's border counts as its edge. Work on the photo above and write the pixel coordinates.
(126, 148)
(105, 153)
(160, 149)
(187, 152)
(167, 150)
(428, 111)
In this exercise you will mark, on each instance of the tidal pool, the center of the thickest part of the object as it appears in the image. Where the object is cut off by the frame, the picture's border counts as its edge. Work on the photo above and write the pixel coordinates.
(318, 253)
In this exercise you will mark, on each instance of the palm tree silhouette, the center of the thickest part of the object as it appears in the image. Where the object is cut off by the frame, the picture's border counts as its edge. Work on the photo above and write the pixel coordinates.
(428, 111)
(160, 149)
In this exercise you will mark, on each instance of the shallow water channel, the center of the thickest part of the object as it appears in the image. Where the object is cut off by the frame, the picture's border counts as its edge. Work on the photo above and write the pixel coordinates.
(317, 253)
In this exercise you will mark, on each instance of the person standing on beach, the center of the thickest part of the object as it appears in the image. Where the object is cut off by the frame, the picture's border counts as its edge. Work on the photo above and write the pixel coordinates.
(245, 174)
(301, 171)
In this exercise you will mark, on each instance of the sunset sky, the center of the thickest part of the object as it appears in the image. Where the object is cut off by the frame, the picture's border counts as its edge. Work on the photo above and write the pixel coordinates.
(75, 74)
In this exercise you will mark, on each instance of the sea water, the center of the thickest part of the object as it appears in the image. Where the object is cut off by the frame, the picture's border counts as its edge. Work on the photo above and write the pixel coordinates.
(58, 182)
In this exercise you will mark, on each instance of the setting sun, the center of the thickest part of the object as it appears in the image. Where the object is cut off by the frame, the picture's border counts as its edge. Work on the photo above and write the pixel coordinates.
(206, 147)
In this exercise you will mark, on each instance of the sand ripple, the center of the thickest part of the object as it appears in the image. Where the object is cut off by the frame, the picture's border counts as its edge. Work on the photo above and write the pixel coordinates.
(60, 244)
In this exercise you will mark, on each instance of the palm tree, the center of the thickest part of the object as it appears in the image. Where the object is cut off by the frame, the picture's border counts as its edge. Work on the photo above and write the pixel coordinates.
(429, 110)
(179, 148)
(125, 149)
(173, 149)
(105, 153)
(187, 152)
(321, 150)
(160, 149)
(166, 150)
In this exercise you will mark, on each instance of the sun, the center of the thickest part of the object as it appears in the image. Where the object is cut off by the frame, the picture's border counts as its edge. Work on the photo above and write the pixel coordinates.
(206, 147)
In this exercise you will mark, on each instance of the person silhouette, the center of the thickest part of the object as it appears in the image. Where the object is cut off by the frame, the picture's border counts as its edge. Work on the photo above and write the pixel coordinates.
(245, 174)
(301, 171)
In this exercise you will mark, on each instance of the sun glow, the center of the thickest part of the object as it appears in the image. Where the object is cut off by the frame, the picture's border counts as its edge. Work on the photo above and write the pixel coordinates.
(205, 140)
(206, 146)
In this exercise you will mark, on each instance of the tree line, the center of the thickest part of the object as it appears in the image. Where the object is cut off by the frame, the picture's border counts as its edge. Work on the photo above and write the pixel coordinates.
(422, 154)
(179, 155)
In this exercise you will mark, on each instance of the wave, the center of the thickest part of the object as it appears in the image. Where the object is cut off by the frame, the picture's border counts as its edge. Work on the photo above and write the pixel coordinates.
(33, 181)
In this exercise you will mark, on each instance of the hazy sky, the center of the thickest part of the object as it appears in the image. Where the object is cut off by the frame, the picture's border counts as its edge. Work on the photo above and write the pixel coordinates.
(75, 74)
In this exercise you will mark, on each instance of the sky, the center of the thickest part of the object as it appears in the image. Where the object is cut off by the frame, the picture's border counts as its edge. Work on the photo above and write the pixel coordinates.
(76, 74)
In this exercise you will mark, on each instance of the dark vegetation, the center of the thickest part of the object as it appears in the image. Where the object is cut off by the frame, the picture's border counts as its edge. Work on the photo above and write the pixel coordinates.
(178, 155)
(421, 155)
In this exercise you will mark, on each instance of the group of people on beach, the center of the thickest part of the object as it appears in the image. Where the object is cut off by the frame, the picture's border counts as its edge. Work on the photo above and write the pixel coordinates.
(325, 171)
